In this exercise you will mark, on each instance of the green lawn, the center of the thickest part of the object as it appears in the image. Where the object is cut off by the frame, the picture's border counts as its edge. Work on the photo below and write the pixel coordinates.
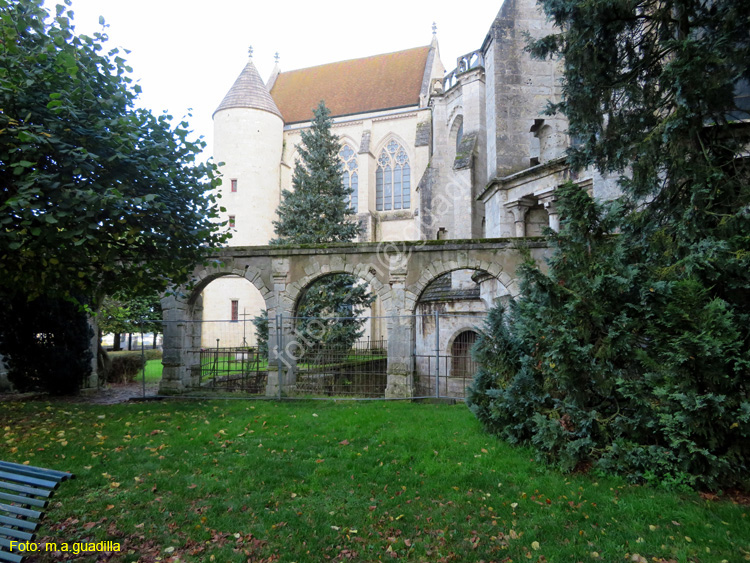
(153, 371)
(238, 481)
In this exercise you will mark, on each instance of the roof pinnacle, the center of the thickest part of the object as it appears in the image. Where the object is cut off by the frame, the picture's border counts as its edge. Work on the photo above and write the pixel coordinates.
(250, 51)
(434, 28)
(276, 57)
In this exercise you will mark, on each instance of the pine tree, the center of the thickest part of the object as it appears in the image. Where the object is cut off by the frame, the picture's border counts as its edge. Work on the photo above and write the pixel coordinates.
(317, 211)
(633, 350)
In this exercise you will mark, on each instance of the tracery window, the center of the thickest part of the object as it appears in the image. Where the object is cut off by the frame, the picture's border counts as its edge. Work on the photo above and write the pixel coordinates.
(349, 175)
(393, 179)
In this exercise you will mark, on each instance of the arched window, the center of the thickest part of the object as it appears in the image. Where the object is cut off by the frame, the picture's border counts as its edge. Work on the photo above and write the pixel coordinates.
(393, 179)
(349, 175)
(463, 364)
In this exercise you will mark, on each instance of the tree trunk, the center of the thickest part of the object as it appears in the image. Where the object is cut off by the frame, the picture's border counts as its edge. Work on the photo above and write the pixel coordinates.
(116, 347)
(130, 341)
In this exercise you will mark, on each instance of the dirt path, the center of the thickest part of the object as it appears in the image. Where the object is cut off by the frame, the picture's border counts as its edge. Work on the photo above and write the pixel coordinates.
(110, 395)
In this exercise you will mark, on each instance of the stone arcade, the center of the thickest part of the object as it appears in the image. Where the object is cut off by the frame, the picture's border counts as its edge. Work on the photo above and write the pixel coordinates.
(398, 274)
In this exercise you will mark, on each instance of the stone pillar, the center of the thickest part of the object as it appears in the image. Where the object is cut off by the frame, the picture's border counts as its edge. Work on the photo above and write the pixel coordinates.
(400, 335)
(549, 201)
(282, 349)
(176, 373)
(519, 209)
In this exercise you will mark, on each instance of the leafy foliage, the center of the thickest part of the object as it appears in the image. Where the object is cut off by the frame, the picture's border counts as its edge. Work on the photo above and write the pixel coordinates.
(317, 212)
(632, 351)
(130, 313)
(46, 344)
(95, 195)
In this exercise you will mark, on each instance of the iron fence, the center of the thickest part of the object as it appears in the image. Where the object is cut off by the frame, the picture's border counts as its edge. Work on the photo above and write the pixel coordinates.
(358, 370)
(439, 358)
(231, 369)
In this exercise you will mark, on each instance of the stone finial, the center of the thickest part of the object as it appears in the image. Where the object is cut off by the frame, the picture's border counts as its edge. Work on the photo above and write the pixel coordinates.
(276, 57)
(434, 28)
(250, 51)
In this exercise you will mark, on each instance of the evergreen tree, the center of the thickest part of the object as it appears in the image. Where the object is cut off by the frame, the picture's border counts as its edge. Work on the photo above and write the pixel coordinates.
(317, 211)
(633, 350)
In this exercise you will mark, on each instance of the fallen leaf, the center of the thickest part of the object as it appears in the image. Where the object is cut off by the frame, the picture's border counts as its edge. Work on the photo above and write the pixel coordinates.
(535, 545)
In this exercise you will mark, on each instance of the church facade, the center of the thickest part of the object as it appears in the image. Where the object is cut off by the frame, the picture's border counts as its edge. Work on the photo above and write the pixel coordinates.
(429, 154)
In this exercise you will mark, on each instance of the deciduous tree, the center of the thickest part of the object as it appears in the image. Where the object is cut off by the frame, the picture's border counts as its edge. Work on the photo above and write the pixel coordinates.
(96, 194)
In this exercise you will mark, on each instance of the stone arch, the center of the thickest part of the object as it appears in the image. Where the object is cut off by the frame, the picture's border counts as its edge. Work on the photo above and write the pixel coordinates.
(458, 332)
(455, 112)
(253, 275)
(239, 294)
(441, 267)
(296, 289)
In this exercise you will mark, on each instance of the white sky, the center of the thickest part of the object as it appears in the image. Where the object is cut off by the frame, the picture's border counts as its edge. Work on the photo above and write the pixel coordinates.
(187, 53)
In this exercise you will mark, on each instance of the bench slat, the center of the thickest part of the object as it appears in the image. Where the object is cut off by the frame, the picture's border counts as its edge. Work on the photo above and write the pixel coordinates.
(20, 511)
(18, 523)
(25, 489)
(24, 501)
(35, 471)
(20, 489)
(10, 557)
(25, 479)
(17, 534)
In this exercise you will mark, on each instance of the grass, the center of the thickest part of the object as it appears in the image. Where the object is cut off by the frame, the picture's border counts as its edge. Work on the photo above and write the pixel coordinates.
(153, 371)
(313, 481)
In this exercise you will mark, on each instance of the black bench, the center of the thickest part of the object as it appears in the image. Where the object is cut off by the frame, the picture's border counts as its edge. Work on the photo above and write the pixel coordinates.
(24, 492)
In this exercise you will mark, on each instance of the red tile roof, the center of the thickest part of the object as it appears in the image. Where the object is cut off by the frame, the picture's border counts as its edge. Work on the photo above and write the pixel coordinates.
(349, 87)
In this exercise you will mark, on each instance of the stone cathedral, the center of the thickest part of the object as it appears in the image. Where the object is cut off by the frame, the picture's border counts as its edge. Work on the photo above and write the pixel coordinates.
(429, 154)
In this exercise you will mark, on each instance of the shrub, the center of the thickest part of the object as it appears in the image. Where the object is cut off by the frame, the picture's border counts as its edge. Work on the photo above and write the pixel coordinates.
(125, 366)
(46, 344)
(614, 358)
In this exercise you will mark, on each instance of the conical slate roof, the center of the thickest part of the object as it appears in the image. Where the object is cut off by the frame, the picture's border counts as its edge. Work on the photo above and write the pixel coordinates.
(249, 91)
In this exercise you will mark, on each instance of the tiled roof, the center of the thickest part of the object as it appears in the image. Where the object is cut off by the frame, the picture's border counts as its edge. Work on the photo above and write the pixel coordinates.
(249, 91)
(349, 87)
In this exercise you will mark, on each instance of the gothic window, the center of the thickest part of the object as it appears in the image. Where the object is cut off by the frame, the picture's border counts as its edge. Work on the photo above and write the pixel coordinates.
(233, 183)
(235, 310)
(232, 222)
(393, 179)
(349, 175)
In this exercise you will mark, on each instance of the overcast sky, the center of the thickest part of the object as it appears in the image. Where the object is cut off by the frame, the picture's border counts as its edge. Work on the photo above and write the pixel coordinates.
(187, 53)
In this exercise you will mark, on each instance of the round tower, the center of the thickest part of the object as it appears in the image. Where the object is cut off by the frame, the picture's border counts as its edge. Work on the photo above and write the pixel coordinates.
(248, 139)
